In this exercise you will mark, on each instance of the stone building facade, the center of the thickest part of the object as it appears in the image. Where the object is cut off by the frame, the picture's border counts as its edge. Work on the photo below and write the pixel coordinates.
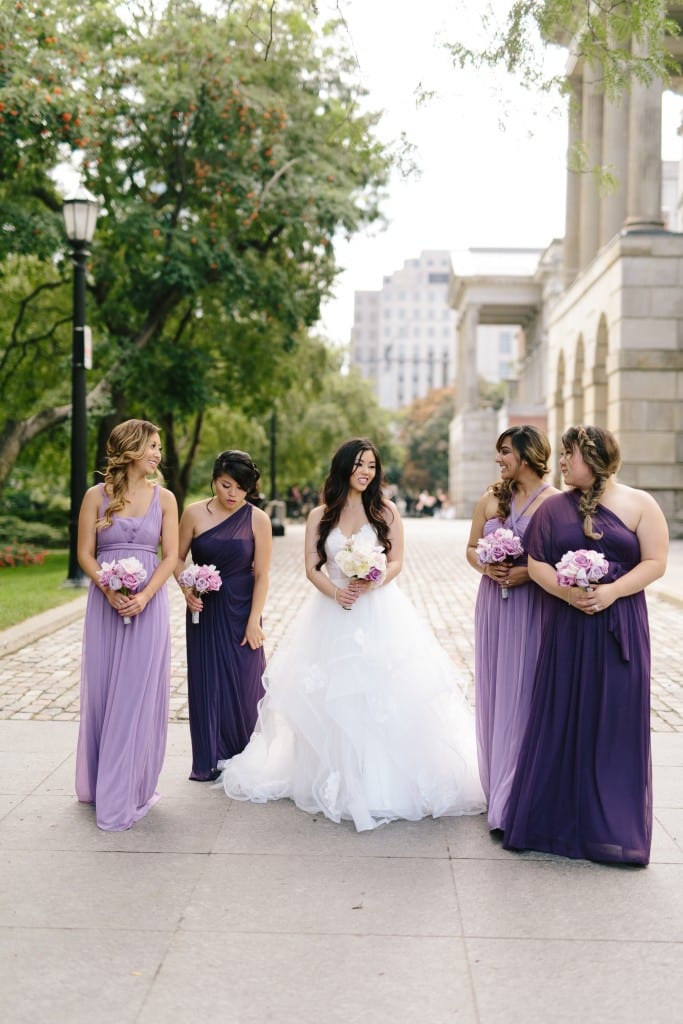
(601, 314)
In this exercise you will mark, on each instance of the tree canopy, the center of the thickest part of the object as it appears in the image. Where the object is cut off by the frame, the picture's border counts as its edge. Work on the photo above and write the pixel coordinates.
(226, 147)
(622, 40)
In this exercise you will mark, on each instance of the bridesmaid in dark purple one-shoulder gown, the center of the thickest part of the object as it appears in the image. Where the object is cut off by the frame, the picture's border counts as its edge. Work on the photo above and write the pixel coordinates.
(225, 657)
(583, 785)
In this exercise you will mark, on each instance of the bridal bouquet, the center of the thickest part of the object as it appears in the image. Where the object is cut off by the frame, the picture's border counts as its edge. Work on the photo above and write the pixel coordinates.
(361, 560)
(126, 575)
(581, 568)
(500, 546)
(200, 579)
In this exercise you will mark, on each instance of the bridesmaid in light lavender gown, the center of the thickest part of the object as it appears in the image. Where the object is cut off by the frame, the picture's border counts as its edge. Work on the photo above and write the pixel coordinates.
(125, 674)
(507, 630)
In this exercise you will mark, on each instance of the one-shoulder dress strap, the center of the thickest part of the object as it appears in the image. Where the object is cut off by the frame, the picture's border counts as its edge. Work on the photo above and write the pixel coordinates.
(515, 516)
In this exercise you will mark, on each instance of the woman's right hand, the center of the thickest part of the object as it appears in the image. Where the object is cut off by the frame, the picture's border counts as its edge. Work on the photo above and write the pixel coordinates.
(194, 603)
(347, 596)
(498, 572)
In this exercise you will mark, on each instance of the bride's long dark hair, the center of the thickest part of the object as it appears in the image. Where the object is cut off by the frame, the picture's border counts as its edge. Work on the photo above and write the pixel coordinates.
(336, 489)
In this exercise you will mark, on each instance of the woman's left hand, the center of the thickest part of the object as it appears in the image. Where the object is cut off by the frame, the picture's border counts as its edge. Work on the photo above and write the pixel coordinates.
(254, 636)
(516, 575)
(361, 586)
(595, 599)
(133, 604)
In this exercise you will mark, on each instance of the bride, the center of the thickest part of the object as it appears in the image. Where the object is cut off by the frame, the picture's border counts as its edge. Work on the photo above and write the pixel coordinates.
(364, 716)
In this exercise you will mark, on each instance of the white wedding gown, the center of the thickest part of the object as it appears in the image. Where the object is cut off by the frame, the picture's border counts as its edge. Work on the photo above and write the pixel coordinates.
(364, 716)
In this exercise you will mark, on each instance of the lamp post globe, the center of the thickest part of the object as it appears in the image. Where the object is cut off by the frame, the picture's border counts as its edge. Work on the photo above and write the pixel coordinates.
(80, 216)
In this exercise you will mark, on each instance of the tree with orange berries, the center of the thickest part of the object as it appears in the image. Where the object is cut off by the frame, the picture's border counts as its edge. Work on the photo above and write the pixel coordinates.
(227, 149)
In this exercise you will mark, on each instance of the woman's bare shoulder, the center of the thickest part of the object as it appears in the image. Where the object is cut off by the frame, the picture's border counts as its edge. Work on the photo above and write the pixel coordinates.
(315, 515)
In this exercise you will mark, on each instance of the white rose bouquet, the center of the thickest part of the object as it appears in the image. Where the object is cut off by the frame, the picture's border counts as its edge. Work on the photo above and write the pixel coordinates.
(361, 560)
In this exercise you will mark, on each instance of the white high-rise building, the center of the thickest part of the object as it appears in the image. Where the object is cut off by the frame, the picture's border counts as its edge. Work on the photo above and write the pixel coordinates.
(404, 335)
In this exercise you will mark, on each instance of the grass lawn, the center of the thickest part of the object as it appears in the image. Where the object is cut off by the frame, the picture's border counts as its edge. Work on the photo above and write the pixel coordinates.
(26, 590)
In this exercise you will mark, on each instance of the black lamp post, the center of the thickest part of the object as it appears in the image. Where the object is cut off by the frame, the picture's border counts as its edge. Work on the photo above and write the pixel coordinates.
(80, 217)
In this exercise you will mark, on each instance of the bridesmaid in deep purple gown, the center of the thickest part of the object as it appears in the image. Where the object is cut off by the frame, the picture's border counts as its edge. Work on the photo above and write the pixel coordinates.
(225, 657)
(126, 667)
(583, 785)
(507, 630)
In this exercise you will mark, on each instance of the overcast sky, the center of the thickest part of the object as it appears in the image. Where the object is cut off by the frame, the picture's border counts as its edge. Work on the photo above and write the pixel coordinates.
(492, 156)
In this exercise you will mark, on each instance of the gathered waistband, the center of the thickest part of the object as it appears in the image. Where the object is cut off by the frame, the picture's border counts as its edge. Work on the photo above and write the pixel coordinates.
(132, 546)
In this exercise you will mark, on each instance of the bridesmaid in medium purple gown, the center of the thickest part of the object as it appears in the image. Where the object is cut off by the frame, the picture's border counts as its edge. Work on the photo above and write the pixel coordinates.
(507, 630)
(225, 657)
(126, 667)
(583, 785)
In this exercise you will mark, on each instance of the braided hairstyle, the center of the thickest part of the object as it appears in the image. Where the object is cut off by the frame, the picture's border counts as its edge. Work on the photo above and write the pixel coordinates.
(242, 468)
(127, 443)
(532, 447)
(336, 489)
(600, 451)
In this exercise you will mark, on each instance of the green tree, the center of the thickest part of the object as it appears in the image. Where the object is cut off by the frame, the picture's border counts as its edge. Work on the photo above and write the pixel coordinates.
(600, 33)
(322, 408)
(226, 149)
(425, 430)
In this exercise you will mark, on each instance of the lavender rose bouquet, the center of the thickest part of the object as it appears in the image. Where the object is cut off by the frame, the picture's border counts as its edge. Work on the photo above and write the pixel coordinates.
(126, 576)
(201, 580)
(501, 546)
(581, 568)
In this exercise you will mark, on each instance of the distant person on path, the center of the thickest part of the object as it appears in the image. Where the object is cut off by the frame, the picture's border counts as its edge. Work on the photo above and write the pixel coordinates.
(583, 785)
(507, 631)
(225, 657)
(126, 667)
(364, 717)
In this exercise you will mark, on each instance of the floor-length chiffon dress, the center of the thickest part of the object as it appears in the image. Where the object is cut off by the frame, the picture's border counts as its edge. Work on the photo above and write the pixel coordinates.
(365, 716)
(507, 636)
(125, 684)
(224, 677)
(583, 785)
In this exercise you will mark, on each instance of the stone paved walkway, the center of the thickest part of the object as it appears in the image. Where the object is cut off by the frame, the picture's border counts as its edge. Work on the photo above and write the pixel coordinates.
(41, 680)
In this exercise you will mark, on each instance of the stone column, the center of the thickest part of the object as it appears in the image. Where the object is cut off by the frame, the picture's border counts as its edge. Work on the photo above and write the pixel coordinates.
(591, 133)
(615, 156)
(467, 389)
(644, 211)
(678, 226)
(571, 230)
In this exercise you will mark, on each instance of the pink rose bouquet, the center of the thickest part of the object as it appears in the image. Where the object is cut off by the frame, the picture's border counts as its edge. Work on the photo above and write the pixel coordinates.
(361, 560)
(201, 580)
(500, 546)
(581, 568)
(126, 575)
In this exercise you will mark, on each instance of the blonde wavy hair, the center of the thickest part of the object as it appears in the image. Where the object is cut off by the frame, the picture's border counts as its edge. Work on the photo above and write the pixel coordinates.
(127, 443)
(601, 453)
